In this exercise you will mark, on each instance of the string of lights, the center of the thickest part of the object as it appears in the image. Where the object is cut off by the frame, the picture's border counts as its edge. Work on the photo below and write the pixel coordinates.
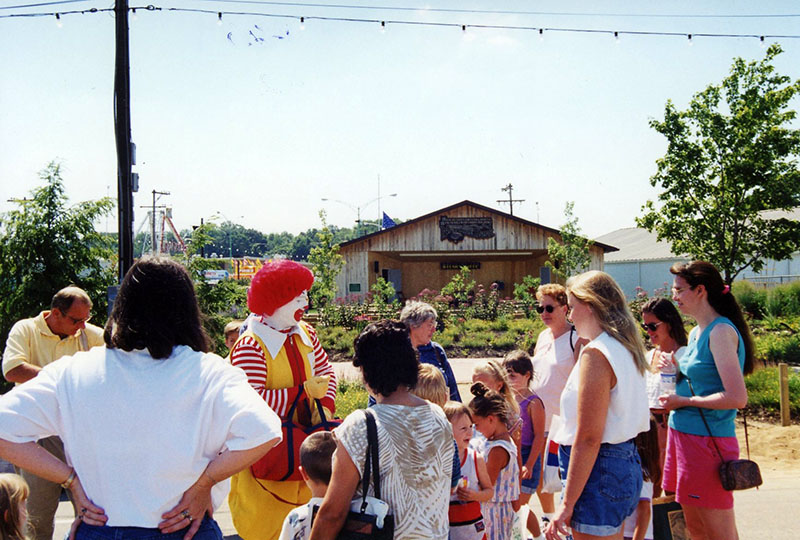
(42, 4)
(383, 23)
(507, 12)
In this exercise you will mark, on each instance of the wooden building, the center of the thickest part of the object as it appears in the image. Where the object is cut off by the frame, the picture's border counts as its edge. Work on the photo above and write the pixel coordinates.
(428, 251)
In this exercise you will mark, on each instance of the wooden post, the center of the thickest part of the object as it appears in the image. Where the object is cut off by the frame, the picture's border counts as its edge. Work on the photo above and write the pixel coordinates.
(783, 380)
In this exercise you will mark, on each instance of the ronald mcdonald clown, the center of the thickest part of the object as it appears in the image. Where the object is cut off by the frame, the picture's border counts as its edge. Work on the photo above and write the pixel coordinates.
(282, 358)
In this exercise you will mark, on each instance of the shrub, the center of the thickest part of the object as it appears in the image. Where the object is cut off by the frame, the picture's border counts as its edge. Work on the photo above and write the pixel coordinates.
(504, 341)
(763, 391)
(460, 286)
(476, 340)
(773, 348)
(784, 300)
(501, 324)
(350, 396)
(476, 325)
(525, 294)
(752, 300)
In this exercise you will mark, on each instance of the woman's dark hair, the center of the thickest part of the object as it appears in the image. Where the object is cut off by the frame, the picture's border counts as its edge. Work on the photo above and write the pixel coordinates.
(487, 402)
(721, 300)
(647, 444)
(386, 357)
(156, 309)
(665, 311)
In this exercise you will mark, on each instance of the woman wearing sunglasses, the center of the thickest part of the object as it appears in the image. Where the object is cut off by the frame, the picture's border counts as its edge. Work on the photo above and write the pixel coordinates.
(553, 359)
(664, 327)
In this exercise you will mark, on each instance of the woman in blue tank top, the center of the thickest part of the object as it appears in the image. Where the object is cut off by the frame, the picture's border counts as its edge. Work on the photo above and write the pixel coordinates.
(719, 353)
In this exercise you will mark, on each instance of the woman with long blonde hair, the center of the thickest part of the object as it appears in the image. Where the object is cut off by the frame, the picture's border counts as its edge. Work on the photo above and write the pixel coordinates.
(603, 407)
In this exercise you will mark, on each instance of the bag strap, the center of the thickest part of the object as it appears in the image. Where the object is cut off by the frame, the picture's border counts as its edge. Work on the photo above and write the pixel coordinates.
(746, 439)
(372, 454)
(703, 416)
(571, 331)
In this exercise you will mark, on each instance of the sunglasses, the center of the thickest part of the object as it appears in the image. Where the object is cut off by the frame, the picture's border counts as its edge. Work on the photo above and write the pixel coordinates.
(74, 320)
(651, 326)
(542, 309)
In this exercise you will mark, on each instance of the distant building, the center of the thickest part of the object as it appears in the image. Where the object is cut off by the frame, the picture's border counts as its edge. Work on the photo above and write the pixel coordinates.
(426, 252)
(643, 261)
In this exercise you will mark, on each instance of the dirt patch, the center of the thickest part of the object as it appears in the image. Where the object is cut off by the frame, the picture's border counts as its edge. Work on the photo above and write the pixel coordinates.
(772, 446)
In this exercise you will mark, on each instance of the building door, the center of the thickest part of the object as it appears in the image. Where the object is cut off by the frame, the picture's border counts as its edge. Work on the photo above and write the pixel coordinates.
(395, 277)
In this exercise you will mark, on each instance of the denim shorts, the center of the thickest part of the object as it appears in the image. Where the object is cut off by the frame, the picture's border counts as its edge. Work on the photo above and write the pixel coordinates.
(612, 491)
(529, 485)
(209, 530)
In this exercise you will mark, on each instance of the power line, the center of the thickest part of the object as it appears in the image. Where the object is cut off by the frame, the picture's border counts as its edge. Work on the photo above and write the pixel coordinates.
(383, 22)
(41, 4)
(505, 12)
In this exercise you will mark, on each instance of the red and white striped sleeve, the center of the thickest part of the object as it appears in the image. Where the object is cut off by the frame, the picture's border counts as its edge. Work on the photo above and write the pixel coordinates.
(323, 366)
(248, 356)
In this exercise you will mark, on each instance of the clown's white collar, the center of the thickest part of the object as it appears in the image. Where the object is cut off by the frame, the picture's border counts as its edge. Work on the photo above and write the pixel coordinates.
(274, 339)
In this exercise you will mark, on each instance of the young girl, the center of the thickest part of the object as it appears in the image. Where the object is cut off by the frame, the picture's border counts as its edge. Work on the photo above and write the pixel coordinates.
(13, 507)
(519, 368)
(491, 415)
(493, 375)
(466, 520)
(639, 525)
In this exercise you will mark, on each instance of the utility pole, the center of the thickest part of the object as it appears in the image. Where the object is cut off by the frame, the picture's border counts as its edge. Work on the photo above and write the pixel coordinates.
(122, 125)
(509, 188)
(153, 219)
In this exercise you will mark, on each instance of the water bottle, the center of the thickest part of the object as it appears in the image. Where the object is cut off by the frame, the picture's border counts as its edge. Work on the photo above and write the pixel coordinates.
(669, 377)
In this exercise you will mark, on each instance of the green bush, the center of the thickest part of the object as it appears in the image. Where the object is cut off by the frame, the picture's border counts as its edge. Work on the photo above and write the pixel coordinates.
(763, 393)
(501, 324)
(476, 325)
(752, 300)
(784, 300)
(350, 396)
(773, 348)
(476, 340)
(504, 341)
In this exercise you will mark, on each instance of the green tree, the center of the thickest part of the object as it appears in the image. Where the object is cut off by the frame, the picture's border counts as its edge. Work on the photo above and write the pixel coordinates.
(732, 155)
(460, 287)
(46, 245)
(383, 292)
(326, 263)
(525, 293)
(571, 255)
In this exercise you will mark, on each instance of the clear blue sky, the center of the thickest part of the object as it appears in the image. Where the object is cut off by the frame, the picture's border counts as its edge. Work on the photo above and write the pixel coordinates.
(265, 129)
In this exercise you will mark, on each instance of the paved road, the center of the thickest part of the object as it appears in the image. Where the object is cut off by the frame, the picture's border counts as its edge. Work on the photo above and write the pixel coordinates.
(769, 513)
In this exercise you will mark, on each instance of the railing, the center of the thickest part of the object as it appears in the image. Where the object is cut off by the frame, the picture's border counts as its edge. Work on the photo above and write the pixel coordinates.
(767, 282)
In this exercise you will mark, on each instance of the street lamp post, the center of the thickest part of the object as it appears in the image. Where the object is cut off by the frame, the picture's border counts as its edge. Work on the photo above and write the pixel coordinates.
(357, 209)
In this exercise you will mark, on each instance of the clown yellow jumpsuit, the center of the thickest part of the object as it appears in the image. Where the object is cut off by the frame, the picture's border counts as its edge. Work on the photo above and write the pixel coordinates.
(277, 363)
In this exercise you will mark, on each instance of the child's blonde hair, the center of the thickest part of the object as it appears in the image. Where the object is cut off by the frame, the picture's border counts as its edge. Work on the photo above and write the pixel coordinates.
(454, 409)
(431, 385)
(497, 373)
(13, 491)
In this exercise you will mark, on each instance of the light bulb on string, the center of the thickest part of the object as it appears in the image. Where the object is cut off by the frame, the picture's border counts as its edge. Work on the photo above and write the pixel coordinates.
(133, 14)
(58, 20)
(541, 34)
(219, 19)
(690, 40)
(762, 44)
(616, 37)
(464, 28)
(383, 27)
(302, 23)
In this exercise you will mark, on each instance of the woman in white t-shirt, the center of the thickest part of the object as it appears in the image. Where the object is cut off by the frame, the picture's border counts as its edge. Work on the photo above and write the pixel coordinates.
(152, 424)
(603, 407)
(554, 357)
(664, 327)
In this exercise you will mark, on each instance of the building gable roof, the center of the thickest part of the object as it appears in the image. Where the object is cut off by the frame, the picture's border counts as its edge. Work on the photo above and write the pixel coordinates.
(606, 247)
(637, 244)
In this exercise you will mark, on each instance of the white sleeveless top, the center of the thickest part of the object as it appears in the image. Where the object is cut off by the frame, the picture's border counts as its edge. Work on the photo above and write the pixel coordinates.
(628, 411)
(552, 363)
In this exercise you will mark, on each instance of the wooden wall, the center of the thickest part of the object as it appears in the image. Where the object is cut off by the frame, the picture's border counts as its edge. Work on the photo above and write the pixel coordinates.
(403, 249)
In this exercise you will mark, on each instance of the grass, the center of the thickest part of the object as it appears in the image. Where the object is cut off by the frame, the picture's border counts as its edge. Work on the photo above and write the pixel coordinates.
(350, 396)
(763, 392)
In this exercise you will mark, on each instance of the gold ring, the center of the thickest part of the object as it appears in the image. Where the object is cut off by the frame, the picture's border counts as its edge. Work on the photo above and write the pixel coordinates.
(186, 515)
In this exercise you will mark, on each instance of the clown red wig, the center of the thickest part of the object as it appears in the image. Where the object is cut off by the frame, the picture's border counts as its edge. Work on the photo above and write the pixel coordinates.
(275, 284)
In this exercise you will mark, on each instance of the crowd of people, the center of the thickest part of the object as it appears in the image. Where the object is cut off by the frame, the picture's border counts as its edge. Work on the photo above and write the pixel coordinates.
(143, 426)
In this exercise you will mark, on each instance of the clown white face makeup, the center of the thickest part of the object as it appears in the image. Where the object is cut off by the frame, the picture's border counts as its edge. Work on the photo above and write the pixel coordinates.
(290, 313)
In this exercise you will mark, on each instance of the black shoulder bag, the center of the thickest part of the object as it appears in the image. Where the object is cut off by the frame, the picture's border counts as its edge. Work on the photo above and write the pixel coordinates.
(735, 474)
(360, 524)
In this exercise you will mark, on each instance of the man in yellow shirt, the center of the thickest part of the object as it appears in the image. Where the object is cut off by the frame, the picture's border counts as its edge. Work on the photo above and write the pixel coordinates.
(32, 344)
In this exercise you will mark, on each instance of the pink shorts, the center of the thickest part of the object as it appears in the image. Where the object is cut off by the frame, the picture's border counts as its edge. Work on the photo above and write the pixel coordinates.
(691, 469)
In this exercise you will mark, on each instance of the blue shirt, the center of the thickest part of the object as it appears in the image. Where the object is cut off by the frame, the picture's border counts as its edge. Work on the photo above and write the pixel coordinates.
(433, 354)
(697, 364)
